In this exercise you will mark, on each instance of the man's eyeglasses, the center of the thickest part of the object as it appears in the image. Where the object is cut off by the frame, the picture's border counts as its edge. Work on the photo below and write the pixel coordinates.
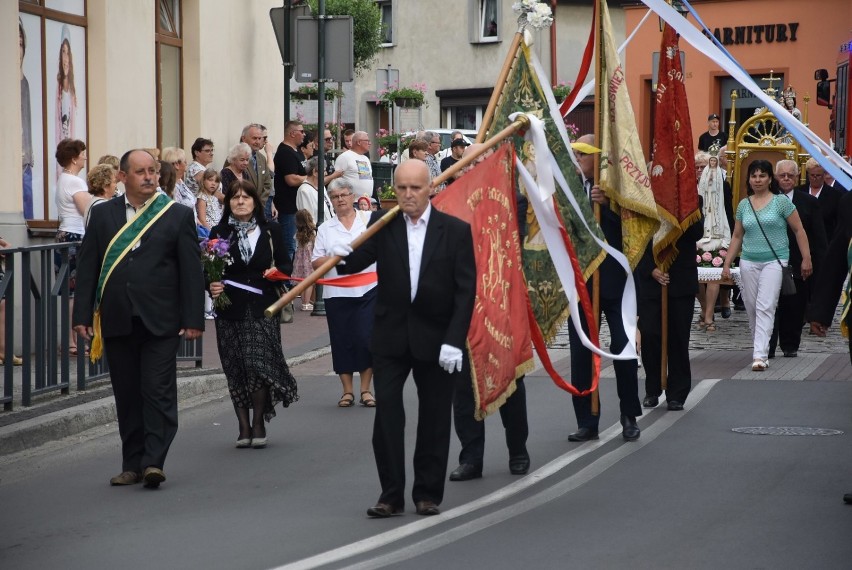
(328, 139)
(339, 196)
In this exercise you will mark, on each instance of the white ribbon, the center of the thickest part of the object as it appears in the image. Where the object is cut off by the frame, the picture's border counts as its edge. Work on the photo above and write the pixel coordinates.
(540, 192)
(816, 147)
(243, 286)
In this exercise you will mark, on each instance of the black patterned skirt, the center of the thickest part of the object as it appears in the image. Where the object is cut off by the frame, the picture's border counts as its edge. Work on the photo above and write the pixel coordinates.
(251, 355)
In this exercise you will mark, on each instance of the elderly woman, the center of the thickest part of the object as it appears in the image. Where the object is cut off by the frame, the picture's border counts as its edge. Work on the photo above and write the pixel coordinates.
(183, 193)
(72, 201)
(202, 156)
(238, 161)
(715, 192)
(249, 343)
(307, 195)
(102, 182)
(761, 230)
(349, 310)
(418, 149)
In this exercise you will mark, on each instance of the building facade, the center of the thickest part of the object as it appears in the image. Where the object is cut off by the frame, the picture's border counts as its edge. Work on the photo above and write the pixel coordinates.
(782, 39)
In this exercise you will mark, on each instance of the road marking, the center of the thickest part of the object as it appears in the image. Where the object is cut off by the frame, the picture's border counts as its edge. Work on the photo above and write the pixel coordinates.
(556, 490)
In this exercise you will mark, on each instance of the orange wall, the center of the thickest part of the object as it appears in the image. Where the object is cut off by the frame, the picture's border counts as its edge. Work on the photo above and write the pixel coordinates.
(823, 26)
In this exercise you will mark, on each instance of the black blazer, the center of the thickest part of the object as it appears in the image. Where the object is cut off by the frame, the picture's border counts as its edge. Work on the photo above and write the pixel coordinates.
(810, 213)
(829, 200)
(612, 276)
(829, 282)
(683, 272)
(271, 240)
(160, 281)
(441, 311)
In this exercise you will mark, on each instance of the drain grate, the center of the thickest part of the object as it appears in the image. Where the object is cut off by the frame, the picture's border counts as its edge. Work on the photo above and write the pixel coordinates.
(786, 431)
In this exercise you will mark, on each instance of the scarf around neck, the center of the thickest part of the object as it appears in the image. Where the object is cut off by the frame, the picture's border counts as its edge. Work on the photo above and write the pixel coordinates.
(243, 229)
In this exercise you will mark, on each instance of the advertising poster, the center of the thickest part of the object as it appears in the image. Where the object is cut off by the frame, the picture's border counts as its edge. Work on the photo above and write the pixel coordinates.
(32, 136)
(65, 81)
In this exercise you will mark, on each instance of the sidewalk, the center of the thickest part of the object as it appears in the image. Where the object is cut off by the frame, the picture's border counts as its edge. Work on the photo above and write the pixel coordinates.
(54, 417)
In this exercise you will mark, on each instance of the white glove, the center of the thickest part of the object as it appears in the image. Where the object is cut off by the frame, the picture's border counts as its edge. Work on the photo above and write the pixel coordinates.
(450, 358)
(341, 249)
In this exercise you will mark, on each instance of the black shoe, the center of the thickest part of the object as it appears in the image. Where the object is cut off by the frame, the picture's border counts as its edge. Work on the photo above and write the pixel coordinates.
(427, 508)
(153, 477)
(383, 511)
(726, 312)
(790, 354)
(674, 405)
(650, 402)
(519, 464)
(583, 434)
(466, 472)
(847, 498)
(630, 431)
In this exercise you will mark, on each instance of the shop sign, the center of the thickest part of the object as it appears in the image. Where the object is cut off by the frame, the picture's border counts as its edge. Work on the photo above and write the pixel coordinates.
(757, 34)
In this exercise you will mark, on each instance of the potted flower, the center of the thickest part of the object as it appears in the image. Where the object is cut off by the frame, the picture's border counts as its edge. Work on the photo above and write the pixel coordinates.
(386, 141)
(561, 90)
(310, 92)
(411, 97)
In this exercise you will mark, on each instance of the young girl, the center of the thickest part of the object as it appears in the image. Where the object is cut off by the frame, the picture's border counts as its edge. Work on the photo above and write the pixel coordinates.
(306, 231)
(208, 206)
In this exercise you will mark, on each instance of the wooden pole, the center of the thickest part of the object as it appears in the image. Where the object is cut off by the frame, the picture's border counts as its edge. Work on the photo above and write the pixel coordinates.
(664, 360)
(520, 123)
(498, 87)
(596, 284)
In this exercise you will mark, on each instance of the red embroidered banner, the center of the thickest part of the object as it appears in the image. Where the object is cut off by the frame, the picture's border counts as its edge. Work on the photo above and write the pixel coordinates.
(673, 167)
(499, 337)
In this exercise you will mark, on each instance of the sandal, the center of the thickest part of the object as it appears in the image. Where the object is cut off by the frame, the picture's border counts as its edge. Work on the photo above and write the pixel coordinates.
(711, 327)
(308, 307)
(701, 325)
(759, 366)
(371, 403)
(347, 400)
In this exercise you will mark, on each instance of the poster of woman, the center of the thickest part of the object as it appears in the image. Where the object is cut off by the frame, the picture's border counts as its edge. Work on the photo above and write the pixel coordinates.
(32, 137)
(65, 73)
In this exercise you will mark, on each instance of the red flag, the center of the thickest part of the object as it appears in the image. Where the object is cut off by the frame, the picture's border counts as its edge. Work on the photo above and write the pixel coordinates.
(673, 167)
(498, 338)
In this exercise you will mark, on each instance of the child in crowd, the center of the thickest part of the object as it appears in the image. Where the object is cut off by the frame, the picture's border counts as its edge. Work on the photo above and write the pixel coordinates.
(306, 232)
(208, 206)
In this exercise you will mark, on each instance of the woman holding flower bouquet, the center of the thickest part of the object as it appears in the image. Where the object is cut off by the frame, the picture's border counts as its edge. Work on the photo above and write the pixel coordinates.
(249, 343)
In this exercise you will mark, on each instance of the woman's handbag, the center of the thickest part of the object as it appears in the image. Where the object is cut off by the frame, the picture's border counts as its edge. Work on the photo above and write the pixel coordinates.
(788, 286)
(286, 313)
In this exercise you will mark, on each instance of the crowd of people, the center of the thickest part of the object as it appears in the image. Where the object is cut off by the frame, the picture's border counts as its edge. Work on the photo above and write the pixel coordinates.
(410, 307)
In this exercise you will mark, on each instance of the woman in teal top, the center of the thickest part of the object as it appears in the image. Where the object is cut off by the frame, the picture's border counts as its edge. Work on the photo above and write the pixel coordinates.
(760, 270)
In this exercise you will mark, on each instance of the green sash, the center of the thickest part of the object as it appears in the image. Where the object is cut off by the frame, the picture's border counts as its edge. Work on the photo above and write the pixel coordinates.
(120, 245)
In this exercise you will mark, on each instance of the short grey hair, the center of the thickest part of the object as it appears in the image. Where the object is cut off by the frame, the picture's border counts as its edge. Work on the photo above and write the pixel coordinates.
(311, 167)
(429, 135)
(340, 184)
(251, 126)
(702, 156)
(787, 162)
(237, 150)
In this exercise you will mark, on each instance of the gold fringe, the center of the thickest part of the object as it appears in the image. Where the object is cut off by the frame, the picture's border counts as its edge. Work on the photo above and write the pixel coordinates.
(672, 237)
(97, 348)
(520, 370)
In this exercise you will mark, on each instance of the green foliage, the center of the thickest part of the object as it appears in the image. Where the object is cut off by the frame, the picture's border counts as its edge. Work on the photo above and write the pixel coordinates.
(367, 27)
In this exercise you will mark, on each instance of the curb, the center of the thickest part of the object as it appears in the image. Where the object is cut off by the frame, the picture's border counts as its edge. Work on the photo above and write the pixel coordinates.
(74, 420)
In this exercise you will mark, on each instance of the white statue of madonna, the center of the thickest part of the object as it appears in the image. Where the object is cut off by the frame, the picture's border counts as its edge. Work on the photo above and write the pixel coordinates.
(717, 232)
(717, 235)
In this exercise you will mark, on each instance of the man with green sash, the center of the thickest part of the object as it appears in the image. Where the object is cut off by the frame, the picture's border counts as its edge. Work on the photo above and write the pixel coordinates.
(140, 289)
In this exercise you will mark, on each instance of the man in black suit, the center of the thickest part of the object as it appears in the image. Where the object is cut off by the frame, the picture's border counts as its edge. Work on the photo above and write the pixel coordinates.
(612, 280)
(790, 312)
(836, 269)
(153, 296)
(681, 281)
(828, 196)
(424, 259)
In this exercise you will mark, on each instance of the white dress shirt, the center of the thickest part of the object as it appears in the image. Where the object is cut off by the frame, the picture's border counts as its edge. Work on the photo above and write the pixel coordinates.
(416, 232)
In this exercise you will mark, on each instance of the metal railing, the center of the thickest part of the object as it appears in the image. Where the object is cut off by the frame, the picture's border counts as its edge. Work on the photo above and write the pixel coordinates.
(45, 327)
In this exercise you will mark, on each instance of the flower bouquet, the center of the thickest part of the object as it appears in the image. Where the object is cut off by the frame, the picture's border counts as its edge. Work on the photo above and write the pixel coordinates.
(534, 13)
(715, 258)
(215, 257)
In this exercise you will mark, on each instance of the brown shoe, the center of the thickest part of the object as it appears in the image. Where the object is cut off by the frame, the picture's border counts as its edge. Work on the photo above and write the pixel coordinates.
(153, 477)
(126, 478)
(427, 508)
(382, 511)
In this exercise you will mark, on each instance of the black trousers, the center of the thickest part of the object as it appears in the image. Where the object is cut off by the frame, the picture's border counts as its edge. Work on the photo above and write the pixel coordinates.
(679, 376)
(471, 433)
(626, 375)
(434, 411)
(143, 372)
(789, 318)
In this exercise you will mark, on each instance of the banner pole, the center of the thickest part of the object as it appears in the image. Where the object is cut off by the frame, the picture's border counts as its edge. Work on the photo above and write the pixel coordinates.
(664, 359)
(498, 87)
(520, 123)
(596, 283)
